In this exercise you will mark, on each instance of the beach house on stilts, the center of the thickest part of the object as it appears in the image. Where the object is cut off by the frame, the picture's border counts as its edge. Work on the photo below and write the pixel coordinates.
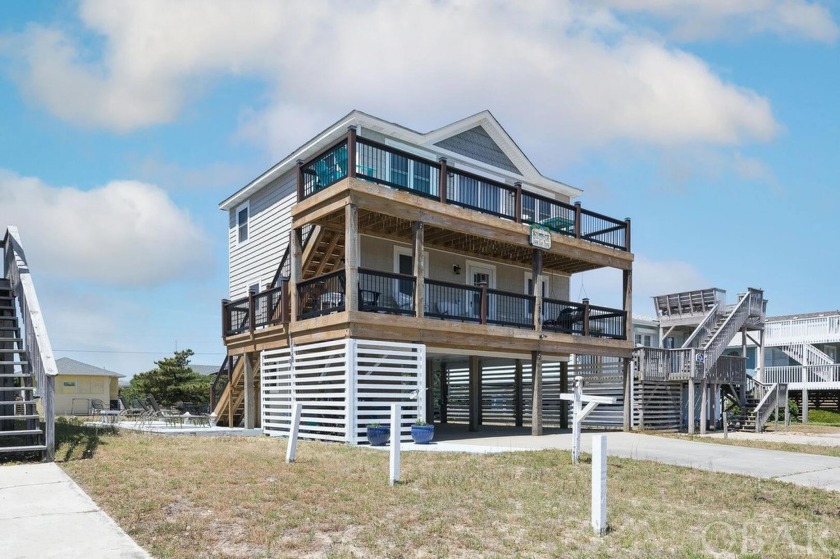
(376, 264)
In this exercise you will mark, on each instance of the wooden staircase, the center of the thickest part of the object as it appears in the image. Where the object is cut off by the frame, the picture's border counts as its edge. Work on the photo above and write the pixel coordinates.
(230, 408)
(20, 429)
(323, 255)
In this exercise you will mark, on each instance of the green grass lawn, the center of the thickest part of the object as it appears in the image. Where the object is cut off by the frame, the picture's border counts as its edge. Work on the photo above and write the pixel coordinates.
(825, 417)
(196, 497)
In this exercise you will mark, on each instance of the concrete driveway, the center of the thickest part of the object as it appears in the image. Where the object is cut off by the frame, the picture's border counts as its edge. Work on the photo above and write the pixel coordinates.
(810, 470)
(45, 515)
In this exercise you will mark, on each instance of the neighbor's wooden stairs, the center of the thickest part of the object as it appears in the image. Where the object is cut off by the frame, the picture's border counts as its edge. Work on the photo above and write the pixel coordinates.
(20, 429)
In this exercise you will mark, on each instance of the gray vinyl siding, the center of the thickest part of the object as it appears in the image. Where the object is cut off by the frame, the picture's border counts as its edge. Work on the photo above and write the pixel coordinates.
(477, 144)
(378, 254)
(269, 222)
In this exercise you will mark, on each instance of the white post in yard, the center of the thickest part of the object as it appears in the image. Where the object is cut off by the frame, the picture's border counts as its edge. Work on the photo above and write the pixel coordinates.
(291, 449)
(599, 484)
(576, 421)
(395, 443)
(580, 413)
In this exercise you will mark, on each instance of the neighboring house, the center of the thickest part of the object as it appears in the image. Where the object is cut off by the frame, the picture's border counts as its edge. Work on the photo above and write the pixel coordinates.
(78, 384)
(802, 352)
(376, 263)
(689, 360)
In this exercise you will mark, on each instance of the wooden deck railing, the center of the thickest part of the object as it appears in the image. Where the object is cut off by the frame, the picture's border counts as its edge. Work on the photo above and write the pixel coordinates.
(382, 164)
(257, 310)
(390, 293)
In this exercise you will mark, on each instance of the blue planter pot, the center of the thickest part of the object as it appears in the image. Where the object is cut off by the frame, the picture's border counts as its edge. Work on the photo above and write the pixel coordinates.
(422, 434)
(378, 436)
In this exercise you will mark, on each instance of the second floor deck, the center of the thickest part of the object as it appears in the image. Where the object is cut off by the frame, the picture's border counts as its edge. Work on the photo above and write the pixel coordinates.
(448, 315)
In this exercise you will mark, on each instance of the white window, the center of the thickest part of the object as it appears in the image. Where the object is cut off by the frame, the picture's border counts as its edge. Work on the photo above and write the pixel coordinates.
(242, 219)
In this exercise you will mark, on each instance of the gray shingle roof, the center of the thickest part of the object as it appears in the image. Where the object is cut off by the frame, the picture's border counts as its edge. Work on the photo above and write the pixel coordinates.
(205, 369)
(67, 366)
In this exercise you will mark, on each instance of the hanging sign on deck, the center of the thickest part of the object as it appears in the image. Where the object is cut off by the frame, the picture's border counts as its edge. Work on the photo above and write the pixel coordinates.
(540, 237)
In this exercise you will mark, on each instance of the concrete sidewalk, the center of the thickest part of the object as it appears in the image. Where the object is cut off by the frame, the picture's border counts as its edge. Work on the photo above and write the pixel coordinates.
(822, 472)
(44, 514)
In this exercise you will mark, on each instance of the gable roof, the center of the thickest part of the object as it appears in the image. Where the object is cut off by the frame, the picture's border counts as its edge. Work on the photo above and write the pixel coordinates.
(435, 142)
(67, 366)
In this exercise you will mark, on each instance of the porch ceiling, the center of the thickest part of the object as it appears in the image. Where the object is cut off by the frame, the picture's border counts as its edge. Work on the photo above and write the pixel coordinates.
(399, 229)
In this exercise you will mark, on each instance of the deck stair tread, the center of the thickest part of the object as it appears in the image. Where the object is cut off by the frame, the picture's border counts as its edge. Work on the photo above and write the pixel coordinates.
(21, 432)
(32, 448)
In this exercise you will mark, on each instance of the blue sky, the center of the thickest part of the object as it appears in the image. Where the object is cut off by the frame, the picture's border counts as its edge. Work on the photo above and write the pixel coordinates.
(713, 125)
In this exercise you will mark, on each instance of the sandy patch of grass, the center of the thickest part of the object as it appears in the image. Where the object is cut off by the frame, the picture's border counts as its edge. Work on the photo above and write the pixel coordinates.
(195, 497)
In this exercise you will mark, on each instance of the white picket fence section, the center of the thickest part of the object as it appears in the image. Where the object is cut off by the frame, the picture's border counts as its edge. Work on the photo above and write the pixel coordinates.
(343, 385)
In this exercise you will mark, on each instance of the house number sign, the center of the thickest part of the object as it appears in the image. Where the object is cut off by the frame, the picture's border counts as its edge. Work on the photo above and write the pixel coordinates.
(540, 238)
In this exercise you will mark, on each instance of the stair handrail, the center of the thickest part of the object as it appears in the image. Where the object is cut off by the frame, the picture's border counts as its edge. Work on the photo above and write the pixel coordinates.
(715, 347)
(284, 260)
(704, 327)
(767, 405)
(39, 352)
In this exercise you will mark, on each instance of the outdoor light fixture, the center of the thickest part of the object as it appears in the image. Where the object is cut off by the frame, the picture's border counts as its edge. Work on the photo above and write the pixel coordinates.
(456, 269)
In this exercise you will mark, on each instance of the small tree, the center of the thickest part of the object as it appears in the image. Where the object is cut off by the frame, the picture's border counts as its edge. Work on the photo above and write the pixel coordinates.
(172, 381)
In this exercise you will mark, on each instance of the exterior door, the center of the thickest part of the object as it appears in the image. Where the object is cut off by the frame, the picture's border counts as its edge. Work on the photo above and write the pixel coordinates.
(476, 275)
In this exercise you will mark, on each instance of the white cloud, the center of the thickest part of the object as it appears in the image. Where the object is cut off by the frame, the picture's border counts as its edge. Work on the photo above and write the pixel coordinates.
(567, 76)
(125, 233)
(707, 19)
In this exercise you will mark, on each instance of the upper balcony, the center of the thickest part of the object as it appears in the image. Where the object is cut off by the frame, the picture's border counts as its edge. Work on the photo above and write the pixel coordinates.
(813, 329)
(438, 181)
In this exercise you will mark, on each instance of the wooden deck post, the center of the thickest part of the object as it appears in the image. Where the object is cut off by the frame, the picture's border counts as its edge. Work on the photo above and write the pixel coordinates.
(225, 318)
(804, 410)
(704, 403)
(419, 269)
(536, 290)
(517, 202)
(536, 378)
(475, 392)
(517, 393)
(296, 271)
(690, 405)
(627, 281)
(351, 151)
(444, 393)
(577, 220)
(586, 317)
(351, 257)
(564, 388)
(250, 407)
(628, 394)
(760, 355)
(627, 234)
(300, 192)
(715, 389)
(252, 311)
(442, 179)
